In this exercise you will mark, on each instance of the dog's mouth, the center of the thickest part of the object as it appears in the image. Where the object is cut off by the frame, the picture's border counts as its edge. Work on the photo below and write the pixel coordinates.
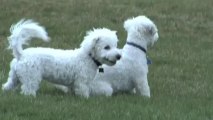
(110, 62)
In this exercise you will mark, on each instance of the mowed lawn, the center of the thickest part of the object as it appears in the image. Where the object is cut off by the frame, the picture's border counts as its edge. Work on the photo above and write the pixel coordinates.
(180, 77)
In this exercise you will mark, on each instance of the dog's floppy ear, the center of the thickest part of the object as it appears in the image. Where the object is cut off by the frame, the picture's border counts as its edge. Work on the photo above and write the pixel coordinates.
(150, 30)
(96, 40)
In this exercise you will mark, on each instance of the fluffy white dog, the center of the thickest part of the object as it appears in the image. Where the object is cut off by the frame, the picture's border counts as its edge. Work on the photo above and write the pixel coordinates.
(130, 72)
(72, 68)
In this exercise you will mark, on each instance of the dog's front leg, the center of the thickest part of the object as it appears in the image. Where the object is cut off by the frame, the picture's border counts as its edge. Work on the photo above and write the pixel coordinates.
(81, 89)
(63, 88)
(142, 87)
(100, 88)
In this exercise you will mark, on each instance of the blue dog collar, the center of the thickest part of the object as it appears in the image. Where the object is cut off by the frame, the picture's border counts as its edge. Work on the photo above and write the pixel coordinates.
(149, 61)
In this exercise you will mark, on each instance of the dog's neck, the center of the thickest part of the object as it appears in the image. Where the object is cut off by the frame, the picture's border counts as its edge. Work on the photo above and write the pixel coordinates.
(141, 48)
(138, 41)
(137, 46)
(95, 60)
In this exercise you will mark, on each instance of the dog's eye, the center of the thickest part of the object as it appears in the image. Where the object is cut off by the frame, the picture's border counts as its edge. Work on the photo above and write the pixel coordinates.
(107, 47)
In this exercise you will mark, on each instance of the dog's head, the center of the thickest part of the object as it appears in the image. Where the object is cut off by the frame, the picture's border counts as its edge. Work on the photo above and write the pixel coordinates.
(101, 44)
(142, 28)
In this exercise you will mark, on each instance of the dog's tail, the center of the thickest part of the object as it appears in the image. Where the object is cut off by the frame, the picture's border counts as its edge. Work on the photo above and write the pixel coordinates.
(22, 32)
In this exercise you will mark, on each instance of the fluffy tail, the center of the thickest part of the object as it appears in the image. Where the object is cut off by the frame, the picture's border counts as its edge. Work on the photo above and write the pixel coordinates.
(22, 32)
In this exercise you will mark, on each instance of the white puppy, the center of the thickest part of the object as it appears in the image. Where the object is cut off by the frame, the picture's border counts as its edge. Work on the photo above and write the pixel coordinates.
(130, 72)
(72, 68)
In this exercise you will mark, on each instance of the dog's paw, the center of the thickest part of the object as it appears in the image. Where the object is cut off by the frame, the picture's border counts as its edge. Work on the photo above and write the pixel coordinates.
(146, 94)
(28, 93)
(6, 87)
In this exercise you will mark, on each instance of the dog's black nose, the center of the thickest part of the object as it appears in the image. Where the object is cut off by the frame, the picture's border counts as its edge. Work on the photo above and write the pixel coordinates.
(118, 57)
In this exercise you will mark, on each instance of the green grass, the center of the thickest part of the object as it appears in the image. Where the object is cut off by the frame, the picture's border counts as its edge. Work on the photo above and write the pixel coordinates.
(180, 77)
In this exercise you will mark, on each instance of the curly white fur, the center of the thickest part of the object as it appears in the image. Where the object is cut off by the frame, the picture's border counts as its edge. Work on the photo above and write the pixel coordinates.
(72, 68)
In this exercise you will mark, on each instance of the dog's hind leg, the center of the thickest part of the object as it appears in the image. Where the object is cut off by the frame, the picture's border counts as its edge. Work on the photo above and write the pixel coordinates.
(30, 88)
(142, 87)
(12, 81)
(30, 84)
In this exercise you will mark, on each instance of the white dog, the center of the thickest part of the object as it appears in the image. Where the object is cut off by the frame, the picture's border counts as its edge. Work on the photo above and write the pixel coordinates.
(130, 72)
(72, 68)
